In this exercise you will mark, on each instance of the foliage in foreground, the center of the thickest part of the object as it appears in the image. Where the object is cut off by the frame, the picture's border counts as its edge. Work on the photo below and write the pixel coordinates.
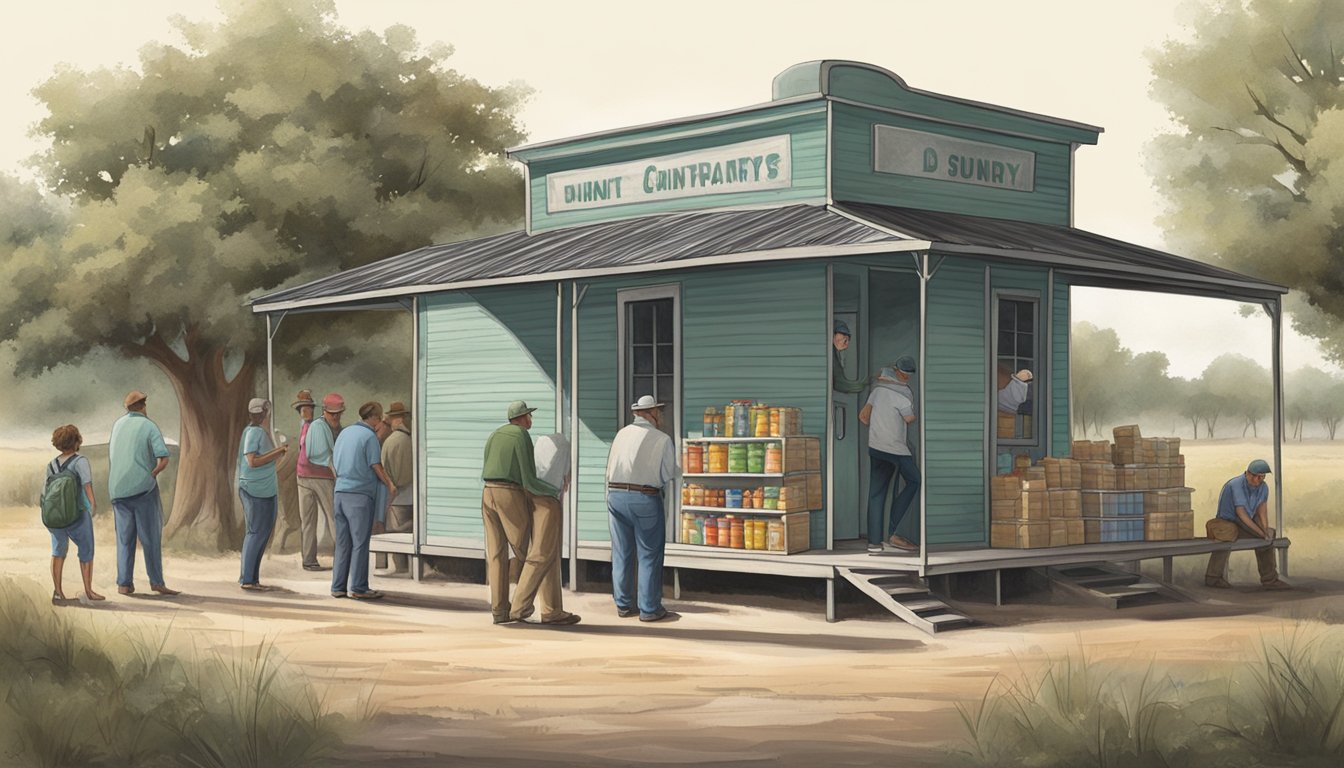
(1284, 707)
(78, 689)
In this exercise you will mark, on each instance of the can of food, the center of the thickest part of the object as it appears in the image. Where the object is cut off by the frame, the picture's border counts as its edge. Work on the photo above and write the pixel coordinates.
(741, 418)
(774, 537)
(732, 498)
(774, 459)
(760, 535)
(695, 458)
(711, 532)
(725, 525)
(737, 458)
(756, 458)
(736, 534)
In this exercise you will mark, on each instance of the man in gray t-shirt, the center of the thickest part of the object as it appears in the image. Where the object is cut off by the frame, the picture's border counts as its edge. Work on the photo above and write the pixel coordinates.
(888, 413)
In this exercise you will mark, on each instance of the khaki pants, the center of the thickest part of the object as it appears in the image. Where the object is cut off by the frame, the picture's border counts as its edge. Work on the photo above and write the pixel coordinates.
(508, 522)
(398, 521)
(315, 500)
(1226, 530)
(540, 577)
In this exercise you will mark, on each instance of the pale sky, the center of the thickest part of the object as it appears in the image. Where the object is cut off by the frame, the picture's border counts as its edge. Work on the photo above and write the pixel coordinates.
(601, 65)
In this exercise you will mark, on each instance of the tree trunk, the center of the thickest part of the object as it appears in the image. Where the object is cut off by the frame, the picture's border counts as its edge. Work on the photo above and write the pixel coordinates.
(206, 511)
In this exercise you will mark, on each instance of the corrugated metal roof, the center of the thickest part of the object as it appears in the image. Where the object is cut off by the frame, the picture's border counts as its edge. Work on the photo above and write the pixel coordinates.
(669, 241)
(1090, 253)
(615, 245)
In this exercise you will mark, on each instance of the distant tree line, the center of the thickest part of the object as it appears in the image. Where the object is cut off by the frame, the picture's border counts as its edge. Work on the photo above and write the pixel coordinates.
(1114, 385)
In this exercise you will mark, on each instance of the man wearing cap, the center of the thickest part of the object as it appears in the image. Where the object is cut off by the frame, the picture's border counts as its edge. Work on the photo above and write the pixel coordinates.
(889, 412)
(258, 489)
(1242, 514)
(315, 475)
(136, 455)
(399, 464)
(509, 470)
(641, 463)
(540, 578)
(839, 343)
(362, 491)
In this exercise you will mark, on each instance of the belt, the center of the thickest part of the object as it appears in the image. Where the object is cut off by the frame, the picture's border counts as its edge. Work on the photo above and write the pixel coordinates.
(647, 490)
(502, 484)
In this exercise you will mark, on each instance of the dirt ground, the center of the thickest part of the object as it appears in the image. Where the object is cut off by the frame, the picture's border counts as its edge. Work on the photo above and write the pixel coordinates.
(734, 680)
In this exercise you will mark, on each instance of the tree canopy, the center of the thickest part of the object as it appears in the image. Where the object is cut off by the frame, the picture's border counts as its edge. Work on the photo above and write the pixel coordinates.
(268, 149)
(1251, 173)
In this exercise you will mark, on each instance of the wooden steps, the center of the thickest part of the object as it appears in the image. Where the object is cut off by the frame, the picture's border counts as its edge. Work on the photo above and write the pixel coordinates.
(907, 597)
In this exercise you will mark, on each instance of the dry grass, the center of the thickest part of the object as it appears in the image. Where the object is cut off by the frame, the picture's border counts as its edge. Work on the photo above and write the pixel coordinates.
(82, 689)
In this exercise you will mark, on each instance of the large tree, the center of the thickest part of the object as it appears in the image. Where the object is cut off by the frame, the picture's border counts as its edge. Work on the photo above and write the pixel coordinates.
(1252, 173)
(265, 150)
(1112, 382)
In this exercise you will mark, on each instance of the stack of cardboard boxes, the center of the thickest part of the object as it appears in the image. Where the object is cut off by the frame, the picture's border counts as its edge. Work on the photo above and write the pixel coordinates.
(1130, 491)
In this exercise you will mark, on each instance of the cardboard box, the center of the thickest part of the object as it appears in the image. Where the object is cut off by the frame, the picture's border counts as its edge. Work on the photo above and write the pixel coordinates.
(1168, 526)
(1062, 473)
(1112, 529)
(1167, 501)
(1059, 533)
(1005, 487)
(1065, 503)
(1019, 534)
(1112, 504)
(1098, 476)
(1005, 509)
(1034, 505)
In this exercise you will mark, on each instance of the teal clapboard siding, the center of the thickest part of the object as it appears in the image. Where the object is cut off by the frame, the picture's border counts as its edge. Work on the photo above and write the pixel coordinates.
(1061, 419)
(482, 350)
(805, 125)
(955, 407)
(854, 179)
(746, 333)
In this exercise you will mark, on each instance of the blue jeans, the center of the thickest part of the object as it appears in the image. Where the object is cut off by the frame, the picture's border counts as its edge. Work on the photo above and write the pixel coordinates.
(260, 514)
(884, 467)
(80, 532)
(637, 527)
(139, 517)
(354, 524)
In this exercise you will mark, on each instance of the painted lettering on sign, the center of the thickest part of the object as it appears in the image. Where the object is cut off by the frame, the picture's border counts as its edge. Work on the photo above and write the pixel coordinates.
(929, 155)
(745, 167)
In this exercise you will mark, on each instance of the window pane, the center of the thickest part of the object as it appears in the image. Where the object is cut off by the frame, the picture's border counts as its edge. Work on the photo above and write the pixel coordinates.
(1007, 317)
(1026, 320)
(663, 317)
(1024, 346)
(1006, 345)
(665, 359)
(664, 392)
(642, 359)
(643, 385)
(641, 323)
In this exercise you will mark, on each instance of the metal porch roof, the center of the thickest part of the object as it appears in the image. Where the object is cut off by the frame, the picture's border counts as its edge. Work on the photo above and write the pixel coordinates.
(705, 238)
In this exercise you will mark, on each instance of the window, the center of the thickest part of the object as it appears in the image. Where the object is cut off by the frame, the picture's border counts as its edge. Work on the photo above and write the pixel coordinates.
(649, 356)
(1015, 353)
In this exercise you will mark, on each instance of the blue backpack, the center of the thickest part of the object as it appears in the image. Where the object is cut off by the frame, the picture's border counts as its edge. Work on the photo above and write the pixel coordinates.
(60, 496)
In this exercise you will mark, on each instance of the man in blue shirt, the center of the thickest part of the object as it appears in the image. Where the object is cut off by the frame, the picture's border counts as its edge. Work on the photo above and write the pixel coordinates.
(362, 493)
(1242, 515)
(136, 455)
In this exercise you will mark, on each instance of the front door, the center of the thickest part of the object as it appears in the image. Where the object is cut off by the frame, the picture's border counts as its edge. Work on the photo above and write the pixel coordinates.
(848, 445)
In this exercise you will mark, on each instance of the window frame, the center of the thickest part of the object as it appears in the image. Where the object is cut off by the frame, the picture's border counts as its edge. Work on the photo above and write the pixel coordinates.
(624, 298)
(1038, 378)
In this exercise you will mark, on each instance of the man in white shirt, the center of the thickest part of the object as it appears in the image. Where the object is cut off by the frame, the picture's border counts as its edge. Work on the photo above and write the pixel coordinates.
(888, 413)
(540, 577)
(641, 464)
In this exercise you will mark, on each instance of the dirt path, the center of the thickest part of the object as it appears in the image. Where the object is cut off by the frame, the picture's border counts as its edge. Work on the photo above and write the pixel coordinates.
(724, 685)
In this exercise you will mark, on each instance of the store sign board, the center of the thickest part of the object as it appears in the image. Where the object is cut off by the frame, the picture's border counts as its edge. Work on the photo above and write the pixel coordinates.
(929, 155)
(749, 166)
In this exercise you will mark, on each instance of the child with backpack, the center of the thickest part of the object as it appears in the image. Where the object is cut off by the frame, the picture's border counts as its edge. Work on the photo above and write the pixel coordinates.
(67, 509)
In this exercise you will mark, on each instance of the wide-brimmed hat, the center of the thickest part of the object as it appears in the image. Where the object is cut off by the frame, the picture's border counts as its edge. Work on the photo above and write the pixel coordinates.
(305, 398)
(133, 397)
(518, 408)
(333, 403)
(645, 403)
(397, 408)
(258, 405)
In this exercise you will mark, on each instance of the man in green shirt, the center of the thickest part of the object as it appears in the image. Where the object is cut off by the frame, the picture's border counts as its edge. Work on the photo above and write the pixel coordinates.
(510, 474)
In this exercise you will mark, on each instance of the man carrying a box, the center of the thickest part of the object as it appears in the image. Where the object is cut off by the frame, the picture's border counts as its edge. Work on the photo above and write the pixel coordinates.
(1239, 497)
(889, 413)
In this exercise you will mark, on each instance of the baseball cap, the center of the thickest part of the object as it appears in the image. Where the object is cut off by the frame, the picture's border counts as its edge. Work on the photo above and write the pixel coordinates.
(906, 364)
(1258, 467)
(257, 405)
(842, 327)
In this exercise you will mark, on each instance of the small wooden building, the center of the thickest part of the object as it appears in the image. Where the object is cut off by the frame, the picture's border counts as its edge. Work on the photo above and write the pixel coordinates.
(706, 259)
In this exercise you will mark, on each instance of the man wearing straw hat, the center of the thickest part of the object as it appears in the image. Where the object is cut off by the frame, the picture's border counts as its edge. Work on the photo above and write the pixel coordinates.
(641, 463)
(316, 477)
(509, 470)
(136, 454)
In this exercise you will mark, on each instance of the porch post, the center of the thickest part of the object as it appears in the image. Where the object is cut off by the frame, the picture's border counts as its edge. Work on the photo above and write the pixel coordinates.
(270, 372)
(418, 516)
(1275, 309)
(923, 413)
(830, 412)
(572, 497)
